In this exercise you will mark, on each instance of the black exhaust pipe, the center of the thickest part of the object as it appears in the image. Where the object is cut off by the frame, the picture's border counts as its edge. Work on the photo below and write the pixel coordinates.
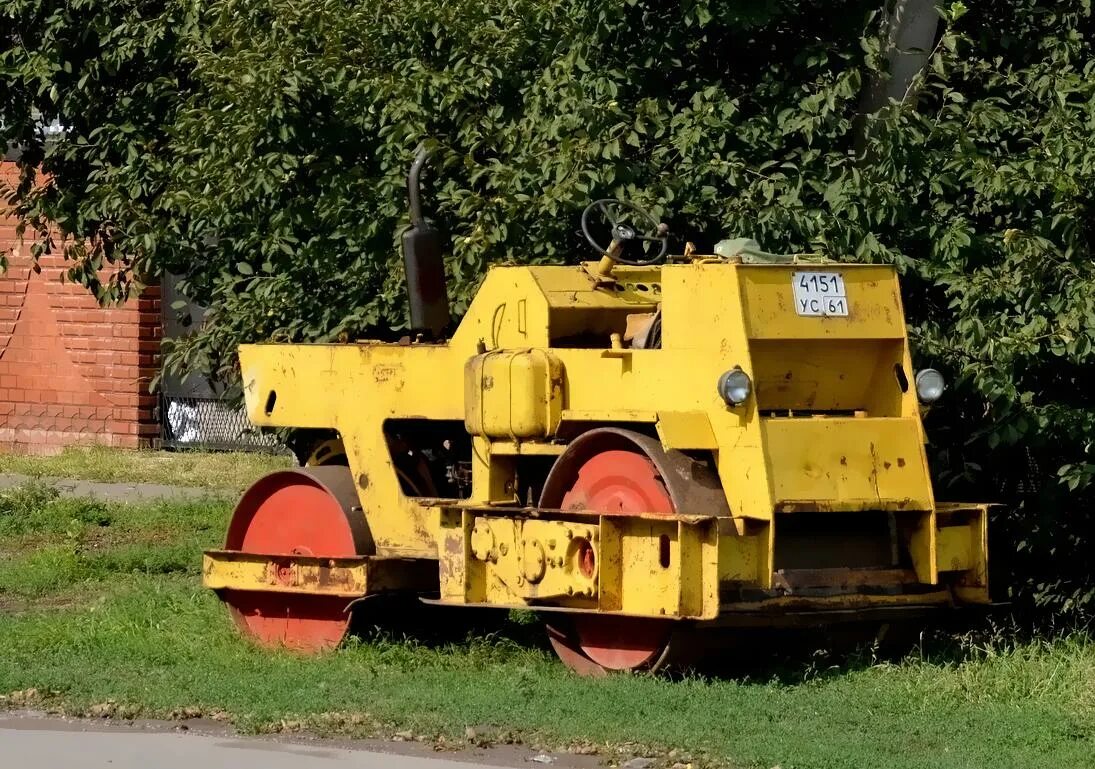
(424, 262)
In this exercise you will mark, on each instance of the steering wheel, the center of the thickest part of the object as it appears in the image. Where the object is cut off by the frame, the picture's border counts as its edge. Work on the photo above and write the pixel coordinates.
(617, 213)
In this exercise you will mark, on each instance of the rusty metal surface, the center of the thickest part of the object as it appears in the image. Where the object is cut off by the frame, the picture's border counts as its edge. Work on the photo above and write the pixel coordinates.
(283, 573)
(693, 487)
(841, 579)
(556, 514)
(302, 574)
(775, 603)
(338, 480)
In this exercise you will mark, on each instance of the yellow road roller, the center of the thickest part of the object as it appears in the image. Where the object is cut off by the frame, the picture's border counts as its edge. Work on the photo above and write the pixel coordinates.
(636, 447)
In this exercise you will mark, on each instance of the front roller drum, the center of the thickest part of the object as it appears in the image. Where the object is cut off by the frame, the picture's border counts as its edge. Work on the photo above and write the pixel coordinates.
(609, 470)
(312, 511)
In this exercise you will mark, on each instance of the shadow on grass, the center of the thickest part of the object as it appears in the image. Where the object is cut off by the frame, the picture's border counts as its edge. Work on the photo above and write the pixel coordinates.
(745, 655)
(400, 618)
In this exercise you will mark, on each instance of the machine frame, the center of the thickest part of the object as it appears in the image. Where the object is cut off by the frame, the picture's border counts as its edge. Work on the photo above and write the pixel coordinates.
(830, 434)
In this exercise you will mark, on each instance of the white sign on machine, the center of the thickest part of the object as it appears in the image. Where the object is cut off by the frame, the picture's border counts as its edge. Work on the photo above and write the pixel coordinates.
(820, 294)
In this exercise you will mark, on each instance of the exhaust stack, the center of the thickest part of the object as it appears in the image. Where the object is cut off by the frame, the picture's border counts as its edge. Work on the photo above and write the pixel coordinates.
(424, 262)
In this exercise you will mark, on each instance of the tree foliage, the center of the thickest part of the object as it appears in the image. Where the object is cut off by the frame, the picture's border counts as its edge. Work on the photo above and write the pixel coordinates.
(257, 148)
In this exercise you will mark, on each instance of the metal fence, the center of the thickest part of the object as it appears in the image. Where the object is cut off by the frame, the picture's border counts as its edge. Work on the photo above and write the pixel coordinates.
(193, 411)
(210, 423)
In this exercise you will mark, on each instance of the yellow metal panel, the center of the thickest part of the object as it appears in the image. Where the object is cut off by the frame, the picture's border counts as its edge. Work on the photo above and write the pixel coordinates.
(645, 381)
(610, 575)
(699, 568)
(829, 375)
(636, 416)
(847, 464)
(346, 577)
(955, 548)
(874, 304)
(647, 586)
(454, 557)
(566, 285)
(742, 465)
(509, 311)
(963, 548)
(656, 566)
(660, 566)
(341, 577)
(526, 448)
(641, 565)
(355, 389)
(744, 555)
(704, 332)
(920, 539)
(510, 561)
(686, 430)
(702, 311)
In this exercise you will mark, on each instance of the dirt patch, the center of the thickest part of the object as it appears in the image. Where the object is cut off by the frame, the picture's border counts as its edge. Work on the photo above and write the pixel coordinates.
(13, 606)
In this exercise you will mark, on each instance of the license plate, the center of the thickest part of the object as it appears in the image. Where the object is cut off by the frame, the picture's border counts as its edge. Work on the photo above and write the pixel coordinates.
(820, 294)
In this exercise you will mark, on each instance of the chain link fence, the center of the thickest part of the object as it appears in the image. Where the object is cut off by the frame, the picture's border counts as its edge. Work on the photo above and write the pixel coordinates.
(210, 423)
(194, 414)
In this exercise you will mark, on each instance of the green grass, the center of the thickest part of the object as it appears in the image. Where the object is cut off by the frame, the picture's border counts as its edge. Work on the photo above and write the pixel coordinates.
(102, 604)
(230, 471)
(50, 544)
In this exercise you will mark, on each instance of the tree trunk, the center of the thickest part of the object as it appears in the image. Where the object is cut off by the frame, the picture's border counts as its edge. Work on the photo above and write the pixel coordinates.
(911, 29)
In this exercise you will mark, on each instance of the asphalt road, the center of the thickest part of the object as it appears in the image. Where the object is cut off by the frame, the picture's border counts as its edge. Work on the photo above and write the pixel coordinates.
(45, 743)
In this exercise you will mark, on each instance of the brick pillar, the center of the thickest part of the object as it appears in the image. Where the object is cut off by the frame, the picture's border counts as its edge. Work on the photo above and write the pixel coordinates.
(71, 372)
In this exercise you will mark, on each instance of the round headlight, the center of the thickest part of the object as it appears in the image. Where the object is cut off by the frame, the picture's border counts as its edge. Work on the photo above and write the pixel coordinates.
(734, 386)
(929, 385)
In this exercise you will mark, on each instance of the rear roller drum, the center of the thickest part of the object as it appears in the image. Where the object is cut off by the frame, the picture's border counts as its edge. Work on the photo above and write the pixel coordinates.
(620, 471)
(313, 512)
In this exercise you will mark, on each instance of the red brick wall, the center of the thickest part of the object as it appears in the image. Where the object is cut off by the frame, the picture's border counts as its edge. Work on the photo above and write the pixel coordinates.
(70, 371)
